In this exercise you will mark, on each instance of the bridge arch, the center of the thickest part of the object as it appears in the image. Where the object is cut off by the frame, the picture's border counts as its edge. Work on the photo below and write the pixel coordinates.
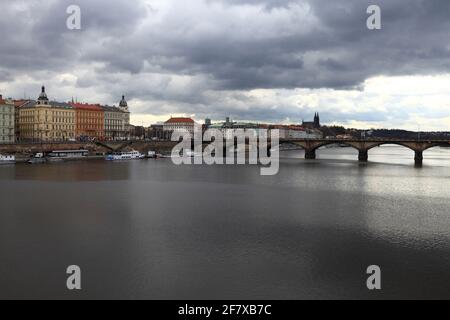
(364, 146)
(330, 143)
(384, 143)
(313, 145)
(428, 147)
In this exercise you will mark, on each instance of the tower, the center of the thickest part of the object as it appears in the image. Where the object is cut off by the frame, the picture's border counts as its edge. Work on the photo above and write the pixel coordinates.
(43, 99)
(123, 104)
(316, 120)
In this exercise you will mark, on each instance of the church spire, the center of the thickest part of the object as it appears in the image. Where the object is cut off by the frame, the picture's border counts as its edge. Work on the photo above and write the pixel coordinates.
(317, 120)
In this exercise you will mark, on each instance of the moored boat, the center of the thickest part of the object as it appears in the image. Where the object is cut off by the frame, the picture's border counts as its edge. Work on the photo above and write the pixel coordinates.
(7, 159)
(132, 155)
(37, 159)
(63, 155)
(152, 155)
(191, 154)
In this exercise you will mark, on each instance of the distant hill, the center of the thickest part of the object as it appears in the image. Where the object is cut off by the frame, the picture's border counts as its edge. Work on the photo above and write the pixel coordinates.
(383, 133)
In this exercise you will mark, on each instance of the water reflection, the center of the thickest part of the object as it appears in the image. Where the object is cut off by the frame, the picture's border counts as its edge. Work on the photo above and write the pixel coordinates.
(149, 229)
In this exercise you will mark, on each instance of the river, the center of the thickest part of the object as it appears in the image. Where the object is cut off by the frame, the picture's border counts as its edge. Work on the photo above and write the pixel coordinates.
(152, 230)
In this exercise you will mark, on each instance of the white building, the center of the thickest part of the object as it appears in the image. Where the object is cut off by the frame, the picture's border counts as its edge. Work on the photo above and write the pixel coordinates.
(117, 121)
(179, 125)
(301, 133)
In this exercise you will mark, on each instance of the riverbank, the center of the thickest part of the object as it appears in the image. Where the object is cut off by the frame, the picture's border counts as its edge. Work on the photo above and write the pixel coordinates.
(26, 150)
(24, 160)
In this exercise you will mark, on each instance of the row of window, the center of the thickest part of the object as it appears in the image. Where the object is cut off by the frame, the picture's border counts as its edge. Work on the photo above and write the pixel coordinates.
(45, 120)
(47, 127)
(7, 138)
(6, 109)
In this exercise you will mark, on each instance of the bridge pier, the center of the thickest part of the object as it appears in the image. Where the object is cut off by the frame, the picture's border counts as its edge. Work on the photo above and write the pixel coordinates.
(418, 158)
(310, 154)
(363, 155)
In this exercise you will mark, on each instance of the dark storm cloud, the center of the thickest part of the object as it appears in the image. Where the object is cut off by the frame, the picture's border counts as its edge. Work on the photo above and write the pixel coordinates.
(223, 46)
(341, 51)
(268, 4)
(35, 37)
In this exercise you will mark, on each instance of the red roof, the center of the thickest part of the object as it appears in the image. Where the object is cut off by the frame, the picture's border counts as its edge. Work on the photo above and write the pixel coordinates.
(86, 106)
(297, 128)
(180, 120)
(19, 103)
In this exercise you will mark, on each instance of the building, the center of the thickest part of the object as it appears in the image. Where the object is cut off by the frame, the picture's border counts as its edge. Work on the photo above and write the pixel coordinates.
(282, 130)
(89, 121)
(156, 132)
(137, 132)
(179, 125)
(43, 120)
(7, 115)
(313, 125)
(117, 121)
(299, 132)
(17, 105)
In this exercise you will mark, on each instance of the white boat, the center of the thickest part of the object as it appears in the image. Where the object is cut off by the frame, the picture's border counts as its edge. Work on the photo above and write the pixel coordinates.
(61, 155)
(192, 154)
(37, 159)
(132, 155)
(152, 155)
(7, 159)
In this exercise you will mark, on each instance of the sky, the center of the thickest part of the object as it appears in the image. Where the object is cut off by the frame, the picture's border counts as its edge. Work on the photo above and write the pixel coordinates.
(273, 61)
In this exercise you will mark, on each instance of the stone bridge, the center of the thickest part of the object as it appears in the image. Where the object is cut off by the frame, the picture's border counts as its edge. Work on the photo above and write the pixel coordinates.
(309, 145)
(363, 146)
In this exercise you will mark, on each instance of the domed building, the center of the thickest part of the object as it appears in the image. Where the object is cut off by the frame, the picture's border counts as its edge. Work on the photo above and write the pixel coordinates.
(45, 120)
(123, 104)
(43, 99)
(117, 121)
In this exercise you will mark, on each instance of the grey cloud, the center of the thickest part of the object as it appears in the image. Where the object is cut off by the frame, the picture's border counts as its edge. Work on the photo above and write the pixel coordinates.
(35, 37)
(347, 52)
(224, 48)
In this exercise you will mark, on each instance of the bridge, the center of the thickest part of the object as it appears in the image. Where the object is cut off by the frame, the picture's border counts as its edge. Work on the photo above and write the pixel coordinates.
(364, 145)
(309, 145)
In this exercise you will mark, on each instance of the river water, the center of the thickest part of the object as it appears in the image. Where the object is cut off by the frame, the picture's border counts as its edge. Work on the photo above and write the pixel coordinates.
(152, 230)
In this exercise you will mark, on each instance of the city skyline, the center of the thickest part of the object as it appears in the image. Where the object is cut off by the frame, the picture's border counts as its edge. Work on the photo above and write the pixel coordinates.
(74, 102)
(206, 60)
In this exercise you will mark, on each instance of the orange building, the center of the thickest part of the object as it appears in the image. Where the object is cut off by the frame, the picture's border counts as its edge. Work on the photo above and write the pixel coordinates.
(89, 121)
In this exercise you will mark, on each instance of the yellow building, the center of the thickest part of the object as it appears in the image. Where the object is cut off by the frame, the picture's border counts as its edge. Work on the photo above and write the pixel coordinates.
(43, 120)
